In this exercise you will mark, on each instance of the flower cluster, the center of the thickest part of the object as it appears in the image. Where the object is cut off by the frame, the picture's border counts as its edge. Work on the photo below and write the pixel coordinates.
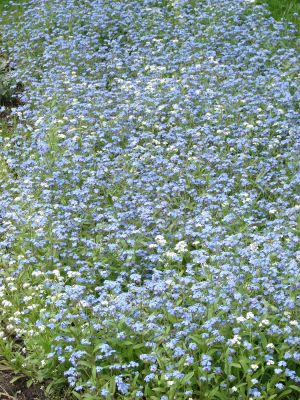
(149, 199)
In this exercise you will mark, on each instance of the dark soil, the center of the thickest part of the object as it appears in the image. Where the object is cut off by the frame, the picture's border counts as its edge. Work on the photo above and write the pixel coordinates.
(18, 390)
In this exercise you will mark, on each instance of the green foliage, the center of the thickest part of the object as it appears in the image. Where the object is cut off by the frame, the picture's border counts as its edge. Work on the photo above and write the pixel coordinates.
(284, 9)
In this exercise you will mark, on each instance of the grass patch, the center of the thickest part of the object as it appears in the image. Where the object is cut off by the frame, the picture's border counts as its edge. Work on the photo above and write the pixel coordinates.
(284, 9)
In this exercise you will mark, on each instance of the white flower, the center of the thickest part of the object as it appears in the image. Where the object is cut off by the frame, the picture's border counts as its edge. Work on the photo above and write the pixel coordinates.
(270, 346)
(294, 323)
(170, 282)
(160, 240)
(270, 362)
(73, 274)
(181, 247)
(233, 389)
(37, 273)
(32, 306)
(83, 304)
(170, 383)
(265, 322)
(254, 367)
(241, 319)
(253, 246)
(6, 303)
(249, 315)
(236, 340)
(171, 254)
(41, 328)
(10, 328)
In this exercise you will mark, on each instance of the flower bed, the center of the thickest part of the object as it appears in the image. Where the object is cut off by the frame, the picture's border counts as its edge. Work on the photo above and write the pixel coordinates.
(149, 209)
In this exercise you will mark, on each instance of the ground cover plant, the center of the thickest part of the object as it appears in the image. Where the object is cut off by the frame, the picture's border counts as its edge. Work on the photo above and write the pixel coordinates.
(149, 215)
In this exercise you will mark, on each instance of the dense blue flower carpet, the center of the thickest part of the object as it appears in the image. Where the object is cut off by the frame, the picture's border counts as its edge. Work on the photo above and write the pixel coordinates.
(149, 200)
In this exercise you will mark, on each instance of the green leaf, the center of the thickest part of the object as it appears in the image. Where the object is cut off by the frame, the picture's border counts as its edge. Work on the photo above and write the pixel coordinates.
(16, 378)
(213, 392)
(148, 390)
(295, 388)
(221, 396)
(94, 373)
(244, 363)
(77, 395)
(263, 340)
(84, 363)
(187, 377)
(89, 397)
(29, 383)
(138, 346)
(127, 343)
(54, 383)
(112, 386)
(236, 365)
(159, 390)
(284, 393)
(135, 379)
(5, 368)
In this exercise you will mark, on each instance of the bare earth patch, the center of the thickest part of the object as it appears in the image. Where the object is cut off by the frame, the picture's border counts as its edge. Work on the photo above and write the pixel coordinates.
(18, 390)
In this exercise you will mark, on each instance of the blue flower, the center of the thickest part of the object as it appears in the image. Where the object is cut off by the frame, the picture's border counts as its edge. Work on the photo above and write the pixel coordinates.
(104, 392)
